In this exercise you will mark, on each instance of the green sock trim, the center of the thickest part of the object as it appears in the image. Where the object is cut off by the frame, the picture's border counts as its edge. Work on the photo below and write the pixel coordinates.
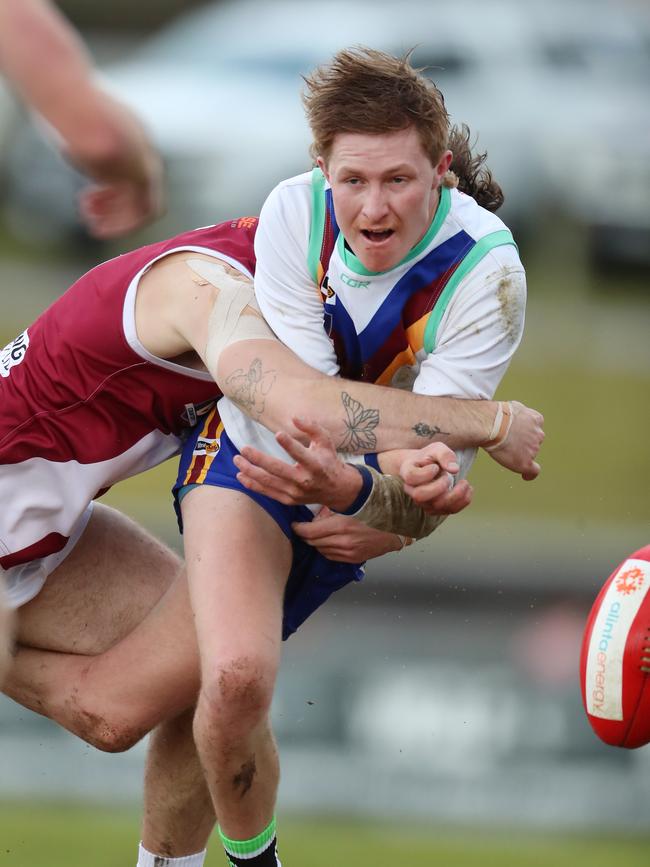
(246, 847)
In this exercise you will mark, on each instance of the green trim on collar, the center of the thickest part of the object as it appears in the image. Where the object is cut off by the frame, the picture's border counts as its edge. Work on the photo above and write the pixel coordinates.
(478, 252)
(357, 267)
(317, 222)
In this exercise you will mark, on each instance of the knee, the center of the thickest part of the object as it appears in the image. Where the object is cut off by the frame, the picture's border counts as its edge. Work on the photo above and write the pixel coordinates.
(107, 732)
(102, 723)
(237, 693)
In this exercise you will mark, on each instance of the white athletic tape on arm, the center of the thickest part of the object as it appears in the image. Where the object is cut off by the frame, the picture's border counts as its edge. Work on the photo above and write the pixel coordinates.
(234, 316)
(389, 508)
(501, 426)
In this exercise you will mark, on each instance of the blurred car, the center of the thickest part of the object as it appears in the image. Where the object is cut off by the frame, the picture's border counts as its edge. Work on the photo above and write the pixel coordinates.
(220, 87)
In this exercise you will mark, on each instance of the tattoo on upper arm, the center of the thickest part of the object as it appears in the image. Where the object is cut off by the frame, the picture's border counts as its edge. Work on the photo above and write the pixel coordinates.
(360, 424)
(422, 429)
(247, 389)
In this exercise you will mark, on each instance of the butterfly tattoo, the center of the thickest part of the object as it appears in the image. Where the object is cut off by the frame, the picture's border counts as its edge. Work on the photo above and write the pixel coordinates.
(360, 425)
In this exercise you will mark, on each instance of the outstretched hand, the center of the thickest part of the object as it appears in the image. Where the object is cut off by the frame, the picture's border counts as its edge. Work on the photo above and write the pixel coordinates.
(344, 539)
(522, 443)
(317, 476)
(116, 208)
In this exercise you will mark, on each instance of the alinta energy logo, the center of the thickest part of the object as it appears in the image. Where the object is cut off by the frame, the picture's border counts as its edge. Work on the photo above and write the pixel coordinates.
(629, 581)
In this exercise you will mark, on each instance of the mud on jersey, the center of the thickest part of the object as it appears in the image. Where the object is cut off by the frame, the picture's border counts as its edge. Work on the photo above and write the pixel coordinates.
(83, 405)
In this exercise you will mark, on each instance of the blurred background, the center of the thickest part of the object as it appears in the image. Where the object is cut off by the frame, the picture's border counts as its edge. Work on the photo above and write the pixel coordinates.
(441, 693)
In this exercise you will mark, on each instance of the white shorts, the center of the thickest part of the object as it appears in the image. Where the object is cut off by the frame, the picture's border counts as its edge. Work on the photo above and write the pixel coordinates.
(24, 582)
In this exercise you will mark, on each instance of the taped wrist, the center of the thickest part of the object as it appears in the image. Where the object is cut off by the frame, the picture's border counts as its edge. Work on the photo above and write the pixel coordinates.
(389, 508)
(501, 426)
(235, 314)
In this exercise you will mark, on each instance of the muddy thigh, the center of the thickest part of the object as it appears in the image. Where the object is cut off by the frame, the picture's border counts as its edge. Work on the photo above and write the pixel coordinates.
(112, 578)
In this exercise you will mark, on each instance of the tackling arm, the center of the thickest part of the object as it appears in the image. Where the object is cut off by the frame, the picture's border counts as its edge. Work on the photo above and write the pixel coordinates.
(201, 305)
(268, 382)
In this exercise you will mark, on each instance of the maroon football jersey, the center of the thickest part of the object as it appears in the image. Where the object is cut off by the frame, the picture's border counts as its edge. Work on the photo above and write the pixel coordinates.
(84, 405)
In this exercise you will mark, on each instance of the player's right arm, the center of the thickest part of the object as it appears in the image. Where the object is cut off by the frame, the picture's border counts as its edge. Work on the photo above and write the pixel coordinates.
(44, 59)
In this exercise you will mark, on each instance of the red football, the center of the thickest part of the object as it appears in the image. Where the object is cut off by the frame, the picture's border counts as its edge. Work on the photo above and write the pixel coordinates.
(615, 657)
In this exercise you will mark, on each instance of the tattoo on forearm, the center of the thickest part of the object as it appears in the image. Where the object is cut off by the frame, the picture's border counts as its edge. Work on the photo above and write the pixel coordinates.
(360, 424)
(244, 779)
(248, 388)
(422, 429)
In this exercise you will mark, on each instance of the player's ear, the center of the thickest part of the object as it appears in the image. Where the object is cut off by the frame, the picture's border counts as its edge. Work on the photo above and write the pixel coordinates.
(320, 162)
(442, 168)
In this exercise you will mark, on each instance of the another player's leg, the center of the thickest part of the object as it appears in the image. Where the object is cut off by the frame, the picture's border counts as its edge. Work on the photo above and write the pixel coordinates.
(116, 576)
(238, 613)
(178, 813)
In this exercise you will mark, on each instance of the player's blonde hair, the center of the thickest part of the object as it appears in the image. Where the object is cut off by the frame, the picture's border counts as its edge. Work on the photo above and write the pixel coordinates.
(367, 91)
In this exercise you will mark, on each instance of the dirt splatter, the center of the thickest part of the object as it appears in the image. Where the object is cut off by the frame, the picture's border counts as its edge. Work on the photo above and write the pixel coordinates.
(511, 306)
(244, 779)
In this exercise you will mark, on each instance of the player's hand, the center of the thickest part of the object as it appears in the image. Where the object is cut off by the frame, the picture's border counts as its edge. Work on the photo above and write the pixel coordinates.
(522, 443)
(111, 210)
(317, 476)
(428, 474)
(344, 539)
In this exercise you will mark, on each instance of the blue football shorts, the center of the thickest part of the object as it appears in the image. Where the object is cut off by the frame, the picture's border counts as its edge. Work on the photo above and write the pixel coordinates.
(207, 459)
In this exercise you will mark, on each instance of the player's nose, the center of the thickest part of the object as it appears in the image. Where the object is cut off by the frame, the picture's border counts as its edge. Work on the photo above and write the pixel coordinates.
(375, 206)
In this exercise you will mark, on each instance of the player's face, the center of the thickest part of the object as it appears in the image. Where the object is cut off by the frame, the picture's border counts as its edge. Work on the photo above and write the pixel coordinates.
(385, 193)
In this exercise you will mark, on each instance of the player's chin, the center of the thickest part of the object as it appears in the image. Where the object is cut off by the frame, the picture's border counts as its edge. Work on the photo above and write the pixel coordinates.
(615, 656)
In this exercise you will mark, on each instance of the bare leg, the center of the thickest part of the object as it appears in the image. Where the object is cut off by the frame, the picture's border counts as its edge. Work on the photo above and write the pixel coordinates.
(238, 615)
(116, 576)
(178, 813)
(108, 598)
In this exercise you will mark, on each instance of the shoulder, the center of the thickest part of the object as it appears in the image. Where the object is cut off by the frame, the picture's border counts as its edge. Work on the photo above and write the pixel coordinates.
(287, 211)
(469, 216)
(291, 192)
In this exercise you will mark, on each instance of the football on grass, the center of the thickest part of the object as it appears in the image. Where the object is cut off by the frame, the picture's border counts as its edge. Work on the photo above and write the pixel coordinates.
(615, 657)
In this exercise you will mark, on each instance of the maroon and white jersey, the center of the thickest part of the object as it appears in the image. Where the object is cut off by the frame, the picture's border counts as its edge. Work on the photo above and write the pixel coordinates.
(83, 405)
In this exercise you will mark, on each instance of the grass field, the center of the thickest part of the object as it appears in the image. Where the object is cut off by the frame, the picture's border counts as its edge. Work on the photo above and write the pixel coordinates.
(74, 836)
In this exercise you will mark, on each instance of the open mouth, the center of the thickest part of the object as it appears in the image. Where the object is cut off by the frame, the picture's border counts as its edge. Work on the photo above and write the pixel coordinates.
(376, 236)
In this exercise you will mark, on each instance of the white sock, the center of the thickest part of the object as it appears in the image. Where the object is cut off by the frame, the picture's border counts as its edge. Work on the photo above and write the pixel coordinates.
(148, 859)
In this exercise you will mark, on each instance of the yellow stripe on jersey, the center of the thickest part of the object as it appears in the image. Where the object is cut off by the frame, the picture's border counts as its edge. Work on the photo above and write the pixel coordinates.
(197, 457)
(415, 336)
(210, 456)
(415, 332)
(406, 357)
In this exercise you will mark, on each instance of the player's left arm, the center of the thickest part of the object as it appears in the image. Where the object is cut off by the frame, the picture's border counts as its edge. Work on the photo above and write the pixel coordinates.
(477, 336)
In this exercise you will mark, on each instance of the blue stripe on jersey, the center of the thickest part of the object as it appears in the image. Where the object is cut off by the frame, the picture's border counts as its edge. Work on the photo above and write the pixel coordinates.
(340, 322)
(423, 273)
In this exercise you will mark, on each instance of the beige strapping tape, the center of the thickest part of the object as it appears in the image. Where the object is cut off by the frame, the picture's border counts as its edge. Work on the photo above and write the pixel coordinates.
(229, 320)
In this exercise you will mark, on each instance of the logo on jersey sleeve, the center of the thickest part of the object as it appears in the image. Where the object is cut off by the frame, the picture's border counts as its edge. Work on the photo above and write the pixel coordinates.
(13, 353)
(244, 223)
